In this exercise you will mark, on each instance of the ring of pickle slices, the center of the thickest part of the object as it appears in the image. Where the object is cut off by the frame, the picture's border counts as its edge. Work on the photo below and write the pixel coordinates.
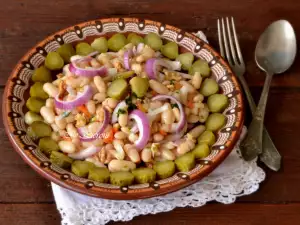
(150, 111)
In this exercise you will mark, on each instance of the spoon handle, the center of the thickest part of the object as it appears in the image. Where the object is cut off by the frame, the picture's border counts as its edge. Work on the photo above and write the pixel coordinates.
(252, 144)
(270, 155)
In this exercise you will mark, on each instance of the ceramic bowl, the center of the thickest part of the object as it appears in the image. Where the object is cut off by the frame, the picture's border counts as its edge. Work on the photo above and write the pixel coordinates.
(18, 84)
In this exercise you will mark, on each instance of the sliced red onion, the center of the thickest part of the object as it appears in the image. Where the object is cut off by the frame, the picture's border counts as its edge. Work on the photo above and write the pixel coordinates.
(152, 64)
(86, 72)
(81, 99)
(143, 126)
(127, 56)
(182, 121)
(83, 131)
(114, 117)
(85, 153)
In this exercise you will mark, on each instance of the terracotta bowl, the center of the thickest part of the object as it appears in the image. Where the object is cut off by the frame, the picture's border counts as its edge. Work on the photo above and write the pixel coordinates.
(18, 84)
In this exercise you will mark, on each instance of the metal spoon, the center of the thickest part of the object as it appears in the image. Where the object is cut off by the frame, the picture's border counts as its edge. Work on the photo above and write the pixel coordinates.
(275, 52)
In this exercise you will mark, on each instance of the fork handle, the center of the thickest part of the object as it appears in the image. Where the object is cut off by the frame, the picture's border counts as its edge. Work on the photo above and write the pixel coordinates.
(252, 144)
(270, 155)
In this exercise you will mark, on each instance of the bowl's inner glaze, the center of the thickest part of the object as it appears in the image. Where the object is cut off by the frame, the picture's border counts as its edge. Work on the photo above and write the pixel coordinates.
(18, 85)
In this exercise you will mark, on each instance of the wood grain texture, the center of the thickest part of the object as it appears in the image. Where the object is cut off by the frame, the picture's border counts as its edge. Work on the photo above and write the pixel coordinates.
(24, 23)
(26, 198)
(213, 214)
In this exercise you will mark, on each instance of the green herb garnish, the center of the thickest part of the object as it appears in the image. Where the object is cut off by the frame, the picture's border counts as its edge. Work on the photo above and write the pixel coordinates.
(121, 111)
(174, 106)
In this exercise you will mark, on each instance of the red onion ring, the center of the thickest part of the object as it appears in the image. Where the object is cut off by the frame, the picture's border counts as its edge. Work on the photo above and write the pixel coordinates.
(81, 99)
(143, 126)
(152, 64)
(182, 121)
(127, 56)
(82, 130)
(85, 153)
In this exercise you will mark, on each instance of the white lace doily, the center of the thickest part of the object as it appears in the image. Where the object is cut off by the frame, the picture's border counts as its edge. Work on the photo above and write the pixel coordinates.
(233, 178)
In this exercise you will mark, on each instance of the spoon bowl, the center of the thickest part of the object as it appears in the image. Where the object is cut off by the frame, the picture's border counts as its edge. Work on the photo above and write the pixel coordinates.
(276, 48)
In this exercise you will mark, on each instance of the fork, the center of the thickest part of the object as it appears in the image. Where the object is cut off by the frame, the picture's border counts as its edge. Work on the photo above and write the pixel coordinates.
(230, 50)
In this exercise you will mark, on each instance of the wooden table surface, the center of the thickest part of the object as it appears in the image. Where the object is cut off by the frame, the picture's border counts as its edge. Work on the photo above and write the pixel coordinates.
(26, 198)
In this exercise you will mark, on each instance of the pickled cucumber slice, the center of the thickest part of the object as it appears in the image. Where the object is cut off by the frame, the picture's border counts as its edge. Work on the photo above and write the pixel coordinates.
(209, 87)
(81, 168)
(186, 60)
(215, 121)
(35, 104)
(124, 75)
(121, 178)
(66, 51)
(47, 145)
(39, 129)
(139, 86)
(170, 50)
(185, 162)
(99, 174)
(31, 117)
(61, 160)
(84, 49)
(154, 41)
(144, 175)
(217, 102)
(134, 39)
(116, 42)
(201, 151)
(118, 89)
(207, 137)
(54, 61)
(100, 44)
(200, 66)
(41, 74)
(164, 169)
(36, 90)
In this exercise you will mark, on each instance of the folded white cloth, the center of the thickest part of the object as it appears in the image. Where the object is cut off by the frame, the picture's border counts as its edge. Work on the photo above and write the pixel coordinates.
(233, 178)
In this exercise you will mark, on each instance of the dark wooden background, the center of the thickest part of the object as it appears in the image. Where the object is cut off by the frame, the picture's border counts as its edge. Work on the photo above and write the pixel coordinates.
(26, 198)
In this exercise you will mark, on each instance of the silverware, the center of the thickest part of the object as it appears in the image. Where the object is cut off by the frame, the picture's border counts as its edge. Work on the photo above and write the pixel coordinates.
(275, 52)
(230, 50)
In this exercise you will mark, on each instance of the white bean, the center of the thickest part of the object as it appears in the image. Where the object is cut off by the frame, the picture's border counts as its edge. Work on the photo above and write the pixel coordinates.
(50, 103)
(54, 127)
(167, 154)
(110, 102)
(197, 131)
(183, 148)
(72, 131)
(133, 155)
(99, 97)
(188, 86)
(91, 106)
(126, 130)
(47, 114)
(118, 142)
(123, 119)
(192, 118)
(76, 82)
(197, 80)
(60, 122)
(137, 68)
(176, 113)
(195, 111)
(67, 146)
(158, 137)
(50, 89)
(146, 155)
(121, 165)
(132, 137)
(100, 84)
(95, 64)
(168, 116)
(198, 98)
(70, 118)
(109, 146)
(95, 161)
(120, 135)
(166, 127)
(158, 87)
(93, 127)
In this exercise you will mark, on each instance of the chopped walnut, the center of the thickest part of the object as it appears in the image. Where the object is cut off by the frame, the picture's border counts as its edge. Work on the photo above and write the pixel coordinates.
(80, 120)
